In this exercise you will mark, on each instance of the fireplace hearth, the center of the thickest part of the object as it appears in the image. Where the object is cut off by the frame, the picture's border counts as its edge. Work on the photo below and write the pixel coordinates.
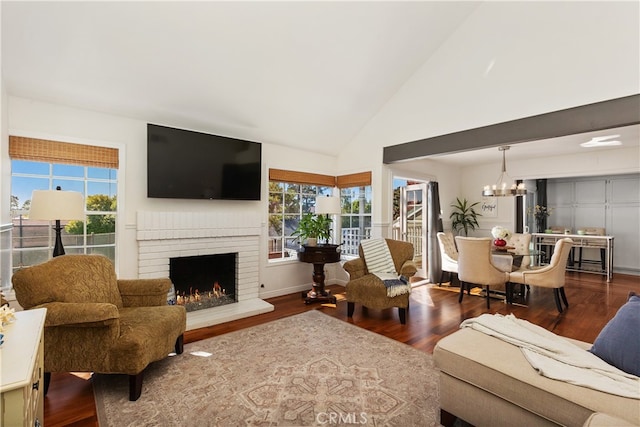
(165, 235)
(204, 281)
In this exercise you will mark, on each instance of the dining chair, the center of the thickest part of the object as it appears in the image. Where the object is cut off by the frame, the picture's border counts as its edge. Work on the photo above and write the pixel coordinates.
(549, 243)
(448, 255)
(520, 242)
(549, 276)
(592, 244)
(475, 265)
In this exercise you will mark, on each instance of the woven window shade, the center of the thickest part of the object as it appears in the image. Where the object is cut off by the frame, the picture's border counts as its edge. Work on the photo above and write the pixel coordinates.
(42, 150)
(360, 179)
(301, 177)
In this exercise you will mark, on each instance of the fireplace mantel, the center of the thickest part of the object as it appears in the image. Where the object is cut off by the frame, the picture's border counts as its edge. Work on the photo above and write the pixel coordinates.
(165, 235)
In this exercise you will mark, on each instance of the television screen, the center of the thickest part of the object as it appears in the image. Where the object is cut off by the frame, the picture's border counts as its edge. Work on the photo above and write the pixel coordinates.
(184, 164)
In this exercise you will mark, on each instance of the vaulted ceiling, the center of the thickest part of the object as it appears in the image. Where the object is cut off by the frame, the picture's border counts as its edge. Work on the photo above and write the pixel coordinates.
(303, 74)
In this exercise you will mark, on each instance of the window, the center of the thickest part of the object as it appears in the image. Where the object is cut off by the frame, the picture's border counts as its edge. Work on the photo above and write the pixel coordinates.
(292, 194)
(33, 240)
(287, 203)
(355, 217)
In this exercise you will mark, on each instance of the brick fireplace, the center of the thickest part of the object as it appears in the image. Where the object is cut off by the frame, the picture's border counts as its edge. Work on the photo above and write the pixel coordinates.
(165, 235)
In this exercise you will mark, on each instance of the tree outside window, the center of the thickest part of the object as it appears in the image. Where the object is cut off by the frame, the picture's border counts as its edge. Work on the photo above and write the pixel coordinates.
(33, 240)
(287, 203)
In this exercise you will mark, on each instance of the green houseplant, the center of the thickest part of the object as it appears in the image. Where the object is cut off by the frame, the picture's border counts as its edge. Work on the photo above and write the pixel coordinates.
(313, 227)
(464, 217)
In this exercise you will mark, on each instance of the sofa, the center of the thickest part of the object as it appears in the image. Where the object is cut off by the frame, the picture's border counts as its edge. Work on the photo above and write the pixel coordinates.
(486, 381)
(98, 323)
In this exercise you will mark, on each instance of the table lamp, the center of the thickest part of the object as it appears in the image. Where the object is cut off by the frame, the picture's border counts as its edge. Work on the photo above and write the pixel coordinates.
(56, 205)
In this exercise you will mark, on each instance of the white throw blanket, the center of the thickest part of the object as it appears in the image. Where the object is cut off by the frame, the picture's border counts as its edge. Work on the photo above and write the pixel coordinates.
(555, 357)
(379, 263)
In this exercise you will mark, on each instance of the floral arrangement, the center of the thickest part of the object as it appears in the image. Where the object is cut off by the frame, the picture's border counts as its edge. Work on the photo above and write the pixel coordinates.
(7, 315)
(539, 212)
(499, 232)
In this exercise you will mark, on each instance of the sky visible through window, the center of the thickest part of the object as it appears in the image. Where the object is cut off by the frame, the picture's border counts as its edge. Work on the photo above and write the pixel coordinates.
(29, 176)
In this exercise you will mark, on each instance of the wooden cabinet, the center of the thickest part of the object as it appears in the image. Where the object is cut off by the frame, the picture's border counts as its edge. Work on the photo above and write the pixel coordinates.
(22, 370)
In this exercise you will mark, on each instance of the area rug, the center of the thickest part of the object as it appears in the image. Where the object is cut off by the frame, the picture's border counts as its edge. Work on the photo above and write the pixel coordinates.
(305, 370)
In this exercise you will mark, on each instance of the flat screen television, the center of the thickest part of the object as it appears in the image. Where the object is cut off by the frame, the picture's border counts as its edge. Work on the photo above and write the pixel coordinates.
(184, 164)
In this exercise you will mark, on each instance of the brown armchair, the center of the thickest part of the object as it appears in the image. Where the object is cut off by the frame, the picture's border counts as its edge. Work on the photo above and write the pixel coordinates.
(368, 290)
(98, 323)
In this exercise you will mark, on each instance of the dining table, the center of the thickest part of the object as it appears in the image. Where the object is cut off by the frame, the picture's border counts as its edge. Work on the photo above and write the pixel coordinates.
(510, 260)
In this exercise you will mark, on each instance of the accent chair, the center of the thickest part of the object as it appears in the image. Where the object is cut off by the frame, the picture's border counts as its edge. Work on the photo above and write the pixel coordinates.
(367, 289)
(98, 323)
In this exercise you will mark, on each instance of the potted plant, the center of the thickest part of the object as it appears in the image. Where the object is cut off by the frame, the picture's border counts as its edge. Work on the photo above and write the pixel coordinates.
(540, 214)
(323, 224)
(464, 217)
(313, 227)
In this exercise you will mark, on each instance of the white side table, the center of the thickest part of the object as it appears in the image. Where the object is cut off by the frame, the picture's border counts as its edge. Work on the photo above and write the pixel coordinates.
(22, 370)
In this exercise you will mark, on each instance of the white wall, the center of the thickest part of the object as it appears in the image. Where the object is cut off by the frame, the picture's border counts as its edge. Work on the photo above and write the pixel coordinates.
(611, 202)
(509, 60)
(43, 120)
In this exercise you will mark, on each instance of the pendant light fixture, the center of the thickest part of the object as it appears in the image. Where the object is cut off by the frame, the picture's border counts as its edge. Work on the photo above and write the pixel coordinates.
(505, 185)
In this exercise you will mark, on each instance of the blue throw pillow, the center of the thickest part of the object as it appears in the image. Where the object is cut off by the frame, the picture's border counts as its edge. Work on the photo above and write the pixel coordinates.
(618, 343)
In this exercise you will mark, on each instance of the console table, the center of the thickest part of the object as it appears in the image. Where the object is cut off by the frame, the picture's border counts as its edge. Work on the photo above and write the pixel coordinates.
(604, 243)
(319, 256)
(22, 369)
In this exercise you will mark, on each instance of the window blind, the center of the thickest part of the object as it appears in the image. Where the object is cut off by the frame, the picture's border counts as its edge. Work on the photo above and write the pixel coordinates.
(360, 179)
(42, 150)
(301, 177)
(343, 181)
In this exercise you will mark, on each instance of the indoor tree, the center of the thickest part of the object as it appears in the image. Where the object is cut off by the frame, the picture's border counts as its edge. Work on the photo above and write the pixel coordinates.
(464, 217)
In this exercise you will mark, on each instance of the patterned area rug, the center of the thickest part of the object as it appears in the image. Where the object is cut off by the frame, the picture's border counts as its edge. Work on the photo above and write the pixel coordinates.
(305, 370)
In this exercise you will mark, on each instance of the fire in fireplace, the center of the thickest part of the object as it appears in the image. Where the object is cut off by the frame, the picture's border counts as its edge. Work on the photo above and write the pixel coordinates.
(204, 281)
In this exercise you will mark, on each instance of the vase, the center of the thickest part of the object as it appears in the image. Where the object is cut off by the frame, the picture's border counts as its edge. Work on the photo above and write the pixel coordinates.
(499, 243)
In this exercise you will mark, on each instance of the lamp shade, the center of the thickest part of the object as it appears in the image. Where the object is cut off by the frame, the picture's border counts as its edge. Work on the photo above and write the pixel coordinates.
(329, 205)
(55, 204)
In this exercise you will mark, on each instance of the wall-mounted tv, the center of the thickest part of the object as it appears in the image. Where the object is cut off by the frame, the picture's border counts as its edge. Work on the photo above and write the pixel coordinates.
(184, 164)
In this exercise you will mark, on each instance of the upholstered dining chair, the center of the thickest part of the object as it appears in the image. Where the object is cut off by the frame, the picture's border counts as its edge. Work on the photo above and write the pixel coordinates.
(549, 276)
(520, 243)
(475, 266)
(592, 244)
(549, 243)
(448, 255)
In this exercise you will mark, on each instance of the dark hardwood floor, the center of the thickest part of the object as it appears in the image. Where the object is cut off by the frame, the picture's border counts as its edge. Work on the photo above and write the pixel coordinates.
(433, 314)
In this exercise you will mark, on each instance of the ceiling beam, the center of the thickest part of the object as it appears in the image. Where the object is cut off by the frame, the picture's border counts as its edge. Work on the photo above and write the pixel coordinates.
(608, 114)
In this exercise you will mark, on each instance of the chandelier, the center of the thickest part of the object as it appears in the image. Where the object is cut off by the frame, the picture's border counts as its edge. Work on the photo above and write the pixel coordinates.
(505, 185)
